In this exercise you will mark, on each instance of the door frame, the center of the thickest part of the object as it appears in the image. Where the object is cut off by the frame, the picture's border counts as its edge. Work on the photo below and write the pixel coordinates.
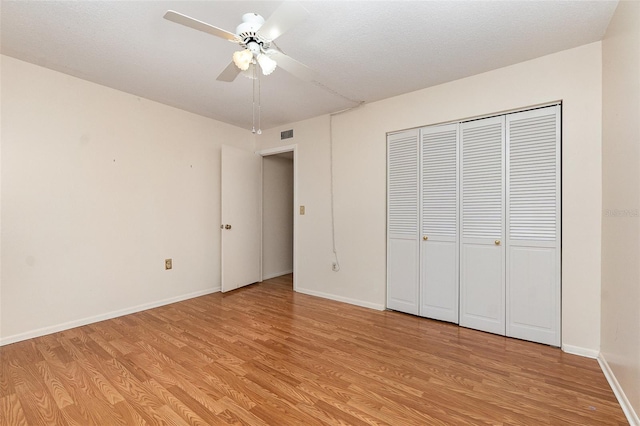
(279, 150)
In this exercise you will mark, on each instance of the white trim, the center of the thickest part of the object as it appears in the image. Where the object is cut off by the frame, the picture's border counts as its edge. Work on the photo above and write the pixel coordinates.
(260, 205)
(577, 350)
(277, 150)
(626, 406)
(97, 318)
(277, 274)
(480, 117)
(362, 303)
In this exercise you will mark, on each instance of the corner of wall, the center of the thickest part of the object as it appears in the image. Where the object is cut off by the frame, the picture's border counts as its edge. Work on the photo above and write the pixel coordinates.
(620, 224)
(625, 404)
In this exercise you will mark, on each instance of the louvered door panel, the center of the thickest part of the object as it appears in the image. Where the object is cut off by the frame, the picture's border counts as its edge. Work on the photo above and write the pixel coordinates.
(402, 221)
(482, 291)
(403, 184)
(533, 225)
(439, 181)
(532, 178)
(482, 183)
(439, 246)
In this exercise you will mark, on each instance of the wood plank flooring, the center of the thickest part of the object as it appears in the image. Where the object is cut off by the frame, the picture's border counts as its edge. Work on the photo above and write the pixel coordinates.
(264, 355)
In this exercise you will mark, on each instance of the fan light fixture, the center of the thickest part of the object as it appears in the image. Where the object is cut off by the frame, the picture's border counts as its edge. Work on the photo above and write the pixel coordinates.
(242, 59)
(267, 64)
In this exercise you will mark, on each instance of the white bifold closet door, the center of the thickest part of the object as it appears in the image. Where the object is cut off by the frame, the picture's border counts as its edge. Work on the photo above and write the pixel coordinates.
(482, 272)
(473, 224)
(402, 222)
(439, 206)
(533, 225)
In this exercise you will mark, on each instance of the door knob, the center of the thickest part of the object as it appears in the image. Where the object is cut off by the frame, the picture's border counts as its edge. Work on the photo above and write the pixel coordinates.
(497, 242)
(227, 227)
(425, 238)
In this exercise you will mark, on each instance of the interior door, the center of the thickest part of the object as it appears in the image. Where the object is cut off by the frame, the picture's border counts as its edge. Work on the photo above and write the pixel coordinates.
(439, 245)
(402, 222)
(533, 225)
(482, 276)
(241, 221)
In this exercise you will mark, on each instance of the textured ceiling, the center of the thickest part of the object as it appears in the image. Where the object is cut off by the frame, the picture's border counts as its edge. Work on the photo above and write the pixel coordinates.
(361, 50)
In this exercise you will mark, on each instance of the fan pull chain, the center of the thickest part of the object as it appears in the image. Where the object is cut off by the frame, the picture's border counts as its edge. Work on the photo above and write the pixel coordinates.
(259, 105)
(256, 94)
(253, 106)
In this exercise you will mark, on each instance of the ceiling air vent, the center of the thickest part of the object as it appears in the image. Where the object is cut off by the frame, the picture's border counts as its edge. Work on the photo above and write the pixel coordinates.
(287, 134)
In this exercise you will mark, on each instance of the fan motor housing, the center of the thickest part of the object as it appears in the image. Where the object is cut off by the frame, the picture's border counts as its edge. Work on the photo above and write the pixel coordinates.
(251, 23)
(247, 31)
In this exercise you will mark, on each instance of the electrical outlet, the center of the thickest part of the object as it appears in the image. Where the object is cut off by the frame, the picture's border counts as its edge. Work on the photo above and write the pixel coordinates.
(334, 266)
(301, 210)
(168, 264)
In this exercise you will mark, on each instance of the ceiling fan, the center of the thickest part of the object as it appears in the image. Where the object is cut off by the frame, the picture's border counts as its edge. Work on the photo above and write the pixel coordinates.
(256, 36)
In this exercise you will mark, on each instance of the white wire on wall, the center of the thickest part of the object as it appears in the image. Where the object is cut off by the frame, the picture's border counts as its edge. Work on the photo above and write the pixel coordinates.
(336, 264)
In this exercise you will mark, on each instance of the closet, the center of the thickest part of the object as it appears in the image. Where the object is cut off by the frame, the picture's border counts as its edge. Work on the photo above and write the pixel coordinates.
(473, 223)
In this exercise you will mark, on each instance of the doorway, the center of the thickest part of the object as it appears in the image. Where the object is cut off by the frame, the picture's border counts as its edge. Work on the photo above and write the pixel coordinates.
(278, 212)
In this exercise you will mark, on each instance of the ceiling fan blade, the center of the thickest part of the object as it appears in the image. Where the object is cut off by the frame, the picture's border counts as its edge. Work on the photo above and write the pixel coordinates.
(295, 68)
(187, 21)
(287, 16)
(229, 73)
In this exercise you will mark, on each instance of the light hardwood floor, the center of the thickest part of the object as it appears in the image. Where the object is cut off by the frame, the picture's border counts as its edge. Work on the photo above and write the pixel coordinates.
(266, 355)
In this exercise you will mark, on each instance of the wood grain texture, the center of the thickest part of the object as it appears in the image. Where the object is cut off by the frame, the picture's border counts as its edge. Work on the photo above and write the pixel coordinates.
(264, 355)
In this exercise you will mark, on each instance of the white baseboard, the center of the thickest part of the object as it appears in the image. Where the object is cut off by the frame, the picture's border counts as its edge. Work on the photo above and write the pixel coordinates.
(577, 350)
(97, 318)
(277, 274)
(376, 306)
(628, 410)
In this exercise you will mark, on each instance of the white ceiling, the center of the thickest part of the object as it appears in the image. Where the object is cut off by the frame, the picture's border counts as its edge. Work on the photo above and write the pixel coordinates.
(361, 50)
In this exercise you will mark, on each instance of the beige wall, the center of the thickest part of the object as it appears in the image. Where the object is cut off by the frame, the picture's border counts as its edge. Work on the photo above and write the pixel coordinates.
(1, 60)
(573, 76)
(314, 255)
(621, 199)
(98, 188)
(277, 216)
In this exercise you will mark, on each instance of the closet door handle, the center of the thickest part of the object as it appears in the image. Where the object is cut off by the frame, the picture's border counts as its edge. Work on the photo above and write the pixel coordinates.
(425, 238)
(497, 242)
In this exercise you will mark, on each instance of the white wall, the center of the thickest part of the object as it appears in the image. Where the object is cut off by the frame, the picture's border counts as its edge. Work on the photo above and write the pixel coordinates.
(277, 216)
(573, 76)
(98, 188)
(621, 200)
